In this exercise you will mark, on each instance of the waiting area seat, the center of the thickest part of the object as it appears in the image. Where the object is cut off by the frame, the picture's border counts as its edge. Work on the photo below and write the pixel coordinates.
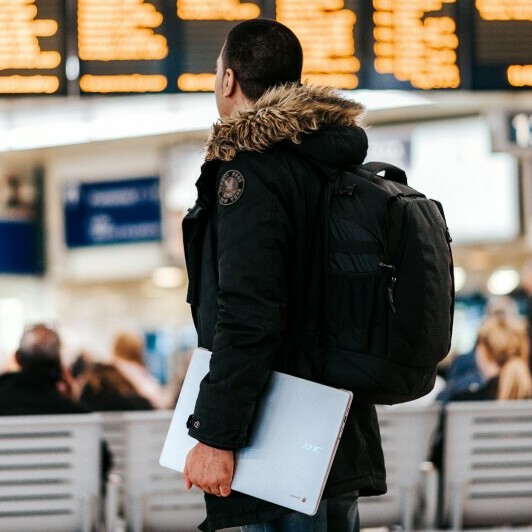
(405, 434)
(154, 498)
(49, 473)
(488, 464)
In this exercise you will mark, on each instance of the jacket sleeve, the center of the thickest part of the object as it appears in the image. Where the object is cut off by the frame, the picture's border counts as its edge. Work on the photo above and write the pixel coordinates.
(253, 242)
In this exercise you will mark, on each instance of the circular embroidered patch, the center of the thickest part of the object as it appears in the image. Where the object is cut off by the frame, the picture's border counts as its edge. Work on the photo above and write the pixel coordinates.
(231, 187)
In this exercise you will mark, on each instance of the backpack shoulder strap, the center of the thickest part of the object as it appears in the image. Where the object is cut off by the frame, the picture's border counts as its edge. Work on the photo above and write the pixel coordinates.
(391, 172)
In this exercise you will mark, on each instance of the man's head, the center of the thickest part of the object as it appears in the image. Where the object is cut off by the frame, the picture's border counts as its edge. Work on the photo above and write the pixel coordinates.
(257, 55)
(40, 352)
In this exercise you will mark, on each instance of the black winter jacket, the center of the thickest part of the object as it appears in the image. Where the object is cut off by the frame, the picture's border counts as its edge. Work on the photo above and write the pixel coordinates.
(25, 393)
(252, 245)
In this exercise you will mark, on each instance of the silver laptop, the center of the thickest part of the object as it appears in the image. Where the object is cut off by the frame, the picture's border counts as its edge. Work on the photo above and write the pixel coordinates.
(292, 443)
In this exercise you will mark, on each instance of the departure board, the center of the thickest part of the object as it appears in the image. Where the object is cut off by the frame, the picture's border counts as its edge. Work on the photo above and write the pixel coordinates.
(502, 46)
(155, 46)
(415, 45)
(122, 46)
(326, 30)
(32, 47)
(201, 28)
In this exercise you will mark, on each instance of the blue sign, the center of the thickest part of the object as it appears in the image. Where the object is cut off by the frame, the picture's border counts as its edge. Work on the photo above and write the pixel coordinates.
(21, 227)
(112, 212)
(20, 247)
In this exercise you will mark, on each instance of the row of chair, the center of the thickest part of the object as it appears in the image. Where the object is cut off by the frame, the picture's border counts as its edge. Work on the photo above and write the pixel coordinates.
(50, 471)
(487, 471)
(50, 475)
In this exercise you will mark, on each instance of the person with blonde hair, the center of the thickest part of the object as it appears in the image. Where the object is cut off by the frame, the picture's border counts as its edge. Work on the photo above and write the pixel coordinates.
(501, 354)
(502, 358)
(128, 358)
(463, 374)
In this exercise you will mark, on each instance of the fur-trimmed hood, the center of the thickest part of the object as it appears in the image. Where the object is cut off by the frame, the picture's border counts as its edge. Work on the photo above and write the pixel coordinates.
(283, 113)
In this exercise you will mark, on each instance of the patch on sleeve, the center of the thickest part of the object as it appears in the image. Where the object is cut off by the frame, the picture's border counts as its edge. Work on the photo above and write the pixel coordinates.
(231, 187)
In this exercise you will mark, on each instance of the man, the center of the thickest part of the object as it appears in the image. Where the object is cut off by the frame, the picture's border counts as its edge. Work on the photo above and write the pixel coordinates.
(42, 386)
(253, 256)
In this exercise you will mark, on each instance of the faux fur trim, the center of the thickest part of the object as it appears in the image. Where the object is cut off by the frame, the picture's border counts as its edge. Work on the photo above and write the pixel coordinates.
(284, 112)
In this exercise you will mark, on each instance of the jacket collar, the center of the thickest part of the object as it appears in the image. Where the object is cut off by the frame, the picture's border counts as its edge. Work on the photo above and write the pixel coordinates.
(285, 112)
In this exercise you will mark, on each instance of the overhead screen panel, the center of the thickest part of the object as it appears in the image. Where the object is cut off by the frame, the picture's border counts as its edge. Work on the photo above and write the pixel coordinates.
(32, 47)
(136, 46)
(413, 44)
(123, 46)
(502, 46)
(452, 161)
(201, 30)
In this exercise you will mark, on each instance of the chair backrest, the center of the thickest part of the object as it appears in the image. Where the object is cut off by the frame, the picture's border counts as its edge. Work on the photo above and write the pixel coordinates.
(488, 463)
(113, 430)
(155, 496)
(49, 472)
(405, 432)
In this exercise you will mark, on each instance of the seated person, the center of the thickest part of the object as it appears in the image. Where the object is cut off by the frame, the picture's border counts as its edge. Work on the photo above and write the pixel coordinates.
(106, 389)
(128, 358)
(463, 374)
(43, 385)
(502, 359)
(501, 355)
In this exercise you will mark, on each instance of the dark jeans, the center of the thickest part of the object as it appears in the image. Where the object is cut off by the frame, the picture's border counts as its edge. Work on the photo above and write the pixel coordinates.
(338, 514)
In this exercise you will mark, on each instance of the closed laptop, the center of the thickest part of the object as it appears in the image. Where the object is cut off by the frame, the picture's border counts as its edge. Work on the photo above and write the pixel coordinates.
(292, 442)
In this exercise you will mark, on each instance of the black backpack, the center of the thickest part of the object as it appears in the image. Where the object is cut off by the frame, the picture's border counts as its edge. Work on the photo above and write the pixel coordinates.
(389, 286)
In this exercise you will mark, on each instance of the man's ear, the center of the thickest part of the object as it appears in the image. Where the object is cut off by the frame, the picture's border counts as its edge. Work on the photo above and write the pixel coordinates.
(17, 358)
(229, 83)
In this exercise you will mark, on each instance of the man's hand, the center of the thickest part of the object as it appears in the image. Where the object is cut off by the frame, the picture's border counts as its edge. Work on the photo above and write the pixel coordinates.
(210, 469)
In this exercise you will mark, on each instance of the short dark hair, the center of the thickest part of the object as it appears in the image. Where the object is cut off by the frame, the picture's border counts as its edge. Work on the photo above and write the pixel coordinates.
(40, 351)
(262, 53)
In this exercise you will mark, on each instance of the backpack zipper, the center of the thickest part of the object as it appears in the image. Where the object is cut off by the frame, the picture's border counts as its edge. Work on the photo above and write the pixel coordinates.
(390, 268)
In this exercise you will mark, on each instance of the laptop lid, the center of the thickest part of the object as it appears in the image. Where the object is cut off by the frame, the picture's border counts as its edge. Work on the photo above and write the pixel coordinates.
(292, 442)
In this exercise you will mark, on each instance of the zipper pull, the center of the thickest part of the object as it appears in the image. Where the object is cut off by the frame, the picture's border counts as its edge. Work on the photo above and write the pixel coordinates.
(448, 235)
(391, 289)
(390, 268)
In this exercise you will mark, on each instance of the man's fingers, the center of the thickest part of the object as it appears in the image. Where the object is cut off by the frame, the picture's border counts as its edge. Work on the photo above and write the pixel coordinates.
(225, 490)
(219, 491)
(188, 483)
(210, 469)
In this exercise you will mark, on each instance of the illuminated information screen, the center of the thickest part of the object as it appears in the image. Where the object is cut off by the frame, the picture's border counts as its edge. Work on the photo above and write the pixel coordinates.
(201, 28)
(32, 47)
(502, 56)
(122, 46)
(152, 46)
(415, 44)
